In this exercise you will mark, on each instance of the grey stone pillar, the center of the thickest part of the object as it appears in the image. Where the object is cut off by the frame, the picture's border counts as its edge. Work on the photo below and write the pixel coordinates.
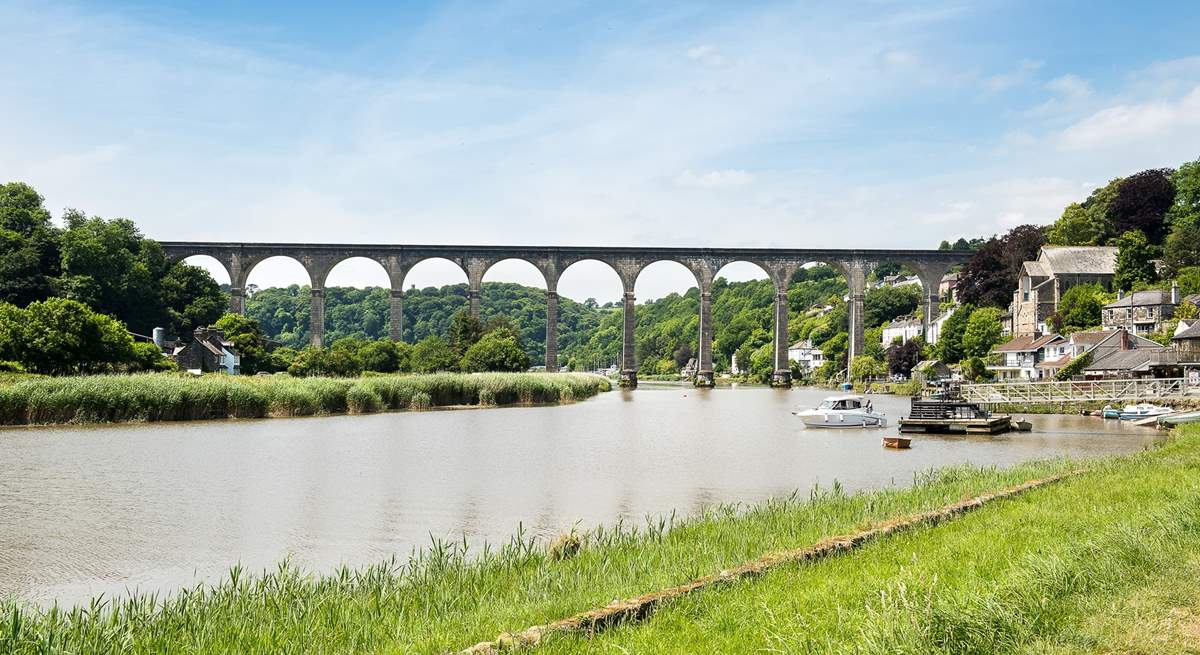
(628, 345)
(237, 300)
(704, 366)
(396, 315)
(551, 331)
(316, 317)
(782, 377)
(858, 292)
(473, 300)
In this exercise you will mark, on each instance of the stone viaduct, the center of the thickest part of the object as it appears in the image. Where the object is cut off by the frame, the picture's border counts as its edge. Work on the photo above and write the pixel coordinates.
(779, 264)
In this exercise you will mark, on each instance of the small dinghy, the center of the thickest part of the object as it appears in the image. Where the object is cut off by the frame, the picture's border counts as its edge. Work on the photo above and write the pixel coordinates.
(897, 442)
(1022, 425)
(843, 412)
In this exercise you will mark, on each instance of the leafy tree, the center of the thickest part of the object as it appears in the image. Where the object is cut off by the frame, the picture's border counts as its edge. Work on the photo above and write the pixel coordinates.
(990, 276)
(902, 358)
(248, 340)
(385, 356)
(498, 350)
(1182, 247)
(191, 299)
(28, 245)
(1188, 280)
(147, 357)
(982, 332)
(762, 363)
(976, 369)
(465, 330)
(1142, 202)
(59, 336)
(950, 340)
(1079, 226)
(864, 367)
(1135, 261)
(884, 304)
(433, 354)
(1081, 307)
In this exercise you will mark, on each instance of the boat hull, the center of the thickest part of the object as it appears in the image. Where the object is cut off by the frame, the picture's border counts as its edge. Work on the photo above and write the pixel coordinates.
(835, 420)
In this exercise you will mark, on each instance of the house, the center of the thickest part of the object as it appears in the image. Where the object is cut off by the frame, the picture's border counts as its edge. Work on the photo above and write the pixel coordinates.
(1125, 355)
(900, 281)
(948, 287)
(806, 355)
(935, 326)
(931, 370)
(1141, 312)
(208, 352)
(1043, 281)
(1018, 359)
(902, 329)
(1186, 342)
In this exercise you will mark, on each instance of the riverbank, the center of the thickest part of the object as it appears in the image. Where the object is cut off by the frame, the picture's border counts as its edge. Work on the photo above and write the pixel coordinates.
(178, 397)
(1129, 513)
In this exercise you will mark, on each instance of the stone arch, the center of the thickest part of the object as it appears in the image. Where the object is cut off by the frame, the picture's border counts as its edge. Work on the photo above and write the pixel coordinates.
(211, 264)
(374, 264)
(548, 336)
(700, 270)
(417, 261)
(249, 264)
(334, 264)
(709, 323)
(548, 278)
(624, 269)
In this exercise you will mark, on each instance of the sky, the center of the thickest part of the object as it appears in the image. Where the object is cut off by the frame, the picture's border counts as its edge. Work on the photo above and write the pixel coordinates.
(871, 124)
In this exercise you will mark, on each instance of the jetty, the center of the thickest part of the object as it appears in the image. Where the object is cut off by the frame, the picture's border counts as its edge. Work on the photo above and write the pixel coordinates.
(952, 415)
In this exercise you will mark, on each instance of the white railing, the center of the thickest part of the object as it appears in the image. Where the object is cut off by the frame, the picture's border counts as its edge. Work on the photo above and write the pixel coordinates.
(1077, 391)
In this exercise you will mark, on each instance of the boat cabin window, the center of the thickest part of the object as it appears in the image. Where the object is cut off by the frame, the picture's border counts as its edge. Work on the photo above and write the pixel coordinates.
(845, 403)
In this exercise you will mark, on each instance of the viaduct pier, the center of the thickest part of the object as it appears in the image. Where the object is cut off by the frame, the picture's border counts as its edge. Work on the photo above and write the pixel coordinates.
(779, 264)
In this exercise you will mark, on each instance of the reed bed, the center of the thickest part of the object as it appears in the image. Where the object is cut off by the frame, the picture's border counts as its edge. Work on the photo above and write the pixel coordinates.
(175, 397)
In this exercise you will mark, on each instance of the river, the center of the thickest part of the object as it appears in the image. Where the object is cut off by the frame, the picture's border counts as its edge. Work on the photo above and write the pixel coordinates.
(89, 510)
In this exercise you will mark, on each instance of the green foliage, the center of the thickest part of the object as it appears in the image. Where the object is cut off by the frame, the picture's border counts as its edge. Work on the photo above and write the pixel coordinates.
(433, 354)
(248, 340)
(498, 350)
(975, 369)
(146, 357)
(29, 259)
(60, 336)
(982, 332)
(465, 330)
(1135, 261)
(950, 340)
(865, 367)
(1075, 366)
(1182, 247)
(884, 304)
(1080, 308)
(1086, 224)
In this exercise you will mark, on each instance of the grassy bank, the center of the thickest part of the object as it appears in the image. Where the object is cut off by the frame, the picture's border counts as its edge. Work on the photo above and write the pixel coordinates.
(175, 397)
(985, 574)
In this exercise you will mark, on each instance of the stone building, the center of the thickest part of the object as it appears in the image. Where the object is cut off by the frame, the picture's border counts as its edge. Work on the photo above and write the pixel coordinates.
(1043, 281)
(1187, 347)
(1141, 312)
(209, 352)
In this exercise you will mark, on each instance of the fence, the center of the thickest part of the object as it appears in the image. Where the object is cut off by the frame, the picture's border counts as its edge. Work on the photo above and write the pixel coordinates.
(1077, 391)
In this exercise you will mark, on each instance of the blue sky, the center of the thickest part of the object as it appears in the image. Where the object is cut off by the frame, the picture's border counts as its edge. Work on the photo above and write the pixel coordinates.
(870, 124)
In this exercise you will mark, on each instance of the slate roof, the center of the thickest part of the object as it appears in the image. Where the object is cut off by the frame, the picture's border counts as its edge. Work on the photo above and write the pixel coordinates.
(1080, 260)
(1025, 343)
(1140, 359)
(1035, 269)
(1152, 297)
(1091, 337)
(1192, 332)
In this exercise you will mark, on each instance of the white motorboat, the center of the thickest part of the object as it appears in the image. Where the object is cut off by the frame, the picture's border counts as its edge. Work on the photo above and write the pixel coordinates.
(1143, 410)
(843, 412)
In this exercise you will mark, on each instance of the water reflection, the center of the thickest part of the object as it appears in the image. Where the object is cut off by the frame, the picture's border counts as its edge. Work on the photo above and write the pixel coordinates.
(90, 510)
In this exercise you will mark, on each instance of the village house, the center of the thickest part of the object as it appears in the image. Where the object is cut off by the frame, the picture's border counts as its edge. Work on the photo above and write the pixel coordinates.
(1186, 342)
(1043, 281)
(948, 287)
(935, 326)
(1019, 358)
(1126, 355)
(806, 355)
(208, 352)
(1141, 312)
(901, 330)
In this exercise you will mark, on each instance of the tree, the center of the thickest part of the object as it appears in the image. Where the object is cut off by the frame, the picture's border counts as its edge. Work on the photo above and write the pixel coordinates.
(1079, 226)
(248, 340)
(1182, 247)
(191, 299)
(28, 245)
(385, 356)
(59, 336)
(147, 357)
(982, 332)
(1080, 307)
(950, 344)
(903, 357)
(433, 354)
(990, 276)
(1135, 261)
(883, 304)
(498, 350)
(1142, 202)
(465, 330)
(1188, 280)
(865, 367)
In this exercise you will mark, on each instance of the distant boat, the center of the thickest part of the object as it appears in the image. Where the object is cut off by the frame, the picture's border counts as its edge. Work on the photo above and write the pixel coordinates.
(1183, 418)
(897, 442)
(1143, 410)
(843, 412)
(1110, 412)
(1022, 425)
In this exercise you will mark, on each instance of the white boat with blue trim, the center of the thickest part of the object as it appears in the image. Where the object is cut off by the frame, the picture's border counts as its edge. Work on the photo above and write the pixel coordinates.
(843, 412)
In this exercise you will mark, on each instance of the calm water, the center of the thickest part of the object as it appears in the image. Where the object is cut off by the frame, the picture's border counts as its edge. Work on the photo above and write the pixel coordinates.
(156, 507)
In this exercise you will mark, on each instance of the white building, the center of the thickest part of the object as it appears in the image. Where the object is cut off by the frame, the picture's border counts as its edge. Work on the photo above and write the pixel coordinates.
(902, 329)
(935, 326)
(805, 354)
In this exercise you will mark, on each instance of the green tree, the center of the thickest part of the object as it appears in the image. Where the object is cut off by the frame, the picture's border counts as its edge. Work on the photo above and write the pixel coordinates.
(1135, 261)
(864, 367)
(950, 340)
(433, 354)
(191, 299)
(247, 338)
(1182, 247)
(385, 356)
(465, 330)
(884, 304)
(59, 336)
(29, 257)
(1188, 280)
(1080, 307)
(1079, 226)
(498, 350)
(147, 357)
(982, 332)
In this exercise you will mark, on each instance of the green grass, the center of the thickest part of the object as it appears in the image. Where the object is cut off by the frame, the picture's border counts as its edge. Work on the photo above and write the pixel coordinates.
(977, 584)
(177, 397)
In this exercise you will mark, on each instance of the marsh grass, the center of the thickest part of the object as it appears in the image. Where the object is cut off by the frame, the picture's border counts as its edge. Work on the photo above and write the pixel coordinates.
(173, 397)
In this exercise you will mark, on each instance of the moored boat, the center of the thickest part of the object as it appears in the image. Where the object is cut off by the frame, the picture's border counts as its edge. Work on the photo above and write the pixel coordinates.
(843, 412)
(1110, 412)
(1143, 410)
(897, 442)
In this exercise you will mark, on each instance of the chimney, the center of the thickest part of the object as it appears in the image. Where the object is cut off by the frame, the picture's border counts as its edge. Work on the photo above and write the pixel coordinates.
(1126, 342)
(1120, 294)
(1174, 293)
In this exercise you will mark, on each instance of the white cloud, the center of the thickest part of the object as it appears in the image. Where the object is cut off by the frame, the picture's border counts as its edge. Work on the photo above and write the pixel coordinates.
(714, 179)
(1019, 76)
(1071, 86)
(1142, 123)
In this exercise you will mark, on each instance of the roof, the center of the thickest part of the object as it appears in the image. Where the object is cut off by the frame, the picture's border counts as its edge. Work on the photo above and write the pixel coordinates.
(805, 344)
(847, 397)
(1055, 363)
(1091, 337)
(1192, 332)
(904, 321)
(1133, 360)
(1090, 260)
(1028, 342)
(949, 277)
(1035, 269)
(1141, 299)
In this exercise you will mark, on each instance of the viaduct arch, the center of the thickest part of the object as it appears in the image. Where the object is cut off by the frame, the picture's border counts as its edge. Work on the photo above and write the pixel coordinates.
(780, 264)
